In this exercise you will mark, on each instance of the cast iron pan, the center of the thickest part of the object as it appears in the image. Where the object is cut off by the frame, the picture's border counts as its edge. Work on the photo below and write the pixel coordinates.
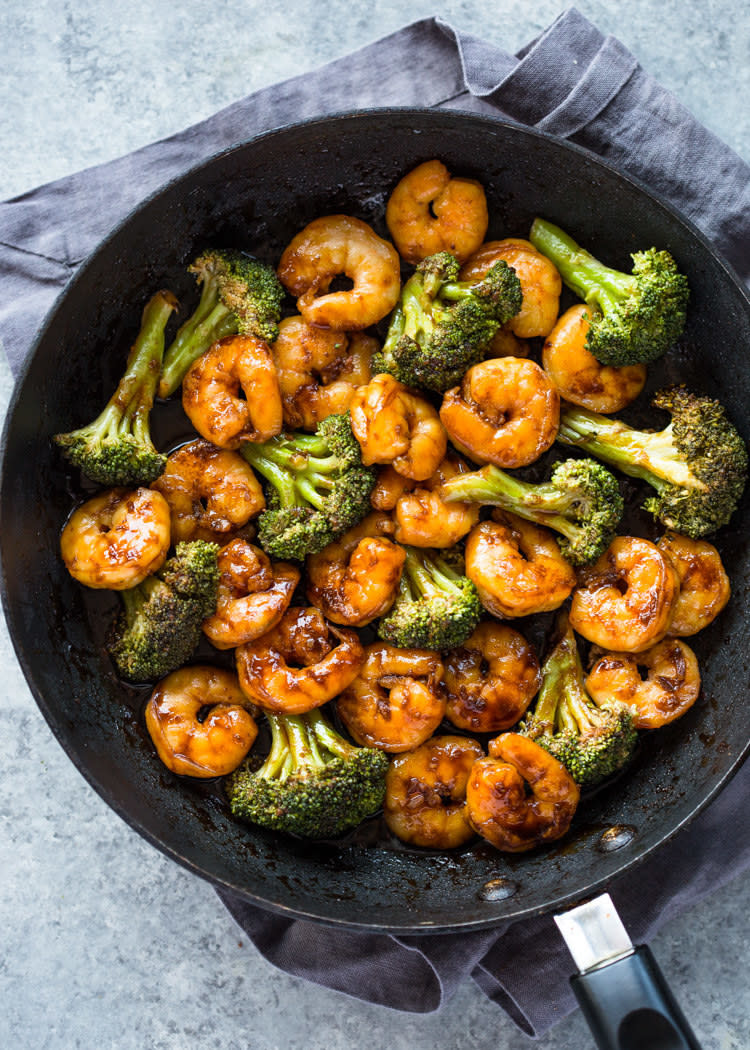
(257, 196)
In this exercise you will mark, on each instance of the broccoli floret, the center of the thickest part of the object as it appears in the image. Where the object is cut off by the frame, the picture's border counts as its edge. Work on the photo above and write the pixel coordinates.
(319, 487)
(436, 607)
(582, 501)
(592, 741)
(160, 624)
(313, 782)
(116, 449)
(239, 294)
(697, 464)
(441, 326)
(634, 317)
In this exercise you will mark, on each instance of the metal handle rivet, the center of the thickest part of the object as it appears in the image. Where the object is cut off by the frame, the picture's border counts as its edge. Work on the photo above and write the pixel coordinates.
(498, 889)
(616, 837)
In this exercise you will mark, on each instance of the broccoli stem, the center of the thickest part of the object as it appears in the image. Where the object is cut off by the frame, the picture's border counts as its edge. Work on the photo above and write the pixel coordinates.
(562, 702)
(277, 763)
(584, 274)
(134, 395)
(431, 577)
(212, 320)
(276, 475)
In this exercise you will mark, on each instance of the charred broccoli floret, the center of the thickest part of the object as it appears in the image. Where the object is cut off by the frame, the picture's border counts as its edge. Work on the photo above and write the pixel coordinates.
(239, 294)
(581, 501)
(635, 317)
(697, 464)
(116, 449)
(160, 624)
(313, 782)
(441, 326)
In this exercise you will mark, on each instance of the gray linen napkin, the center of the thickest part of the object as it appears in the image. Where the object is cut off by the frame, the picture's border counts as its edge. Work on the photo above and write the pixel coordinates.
(573, 82)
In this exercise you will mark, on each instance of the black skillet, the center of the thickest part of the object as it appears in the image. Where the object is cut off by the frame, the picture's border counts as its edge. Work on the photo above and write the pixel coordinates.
(257, 196)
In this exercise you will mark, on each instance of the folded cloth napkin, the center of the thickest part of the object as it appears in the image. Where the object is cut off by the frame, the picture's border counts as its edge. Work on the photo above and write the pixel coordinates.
(572, 82)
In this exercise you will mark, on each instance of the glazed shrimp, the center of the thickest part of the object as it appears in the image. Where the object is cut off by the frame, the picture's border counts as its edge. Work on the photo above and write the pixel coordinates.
(253, 595)
(425, 793)
(394, 425)
(672, 685)
(396, 702)
(704, 585)
(491, 679)
(116, 539)
(517, 567)
(429, 211)
(389, 488)
(300, 664)
(189, 743)
(424, 519)
(211, 492)
(520, 796)
(355, 579)
(540, 283)
(505, 344)
(576, 373)
(211, 393)
(627, 597)
(505, 412)
(336, 245)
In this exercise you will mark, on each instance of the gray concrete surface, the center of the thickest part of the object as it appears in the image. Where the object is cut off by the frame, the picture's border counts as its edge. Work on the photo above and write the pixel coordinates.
(105, 943)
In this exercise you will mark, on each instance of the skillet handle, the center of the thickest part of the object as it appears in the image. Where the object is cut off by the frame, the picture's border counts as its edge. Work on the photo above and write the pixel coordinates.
(628, 1006)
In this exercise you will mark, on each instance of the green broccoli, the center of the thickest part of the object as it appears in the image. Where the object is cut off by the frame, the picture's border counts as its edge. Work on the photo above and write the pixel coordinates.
(581, 501)
(160, 624)
(441, 326)
(116, 449)
(697, 464)
(319, 487)
(239, 294)
(592, 741)
(313, 782)
(634, 317)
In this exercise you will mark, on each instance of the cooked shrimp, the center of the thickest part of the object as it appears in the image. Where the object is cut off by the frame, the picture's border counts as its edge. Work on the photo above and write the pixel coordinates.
(253, 595)
(116, 539)
(540, 283)
(425, 793)
(337, 245)
(671, 687)
(627, 598)
(506, 412)
(355, 579)
(704, 585)
(505, 344)
(394, 425)
(424, 519)
(211, 393)
(520, 796)
(577, 374)
(491, 679)
(301, 663)
(517, 567)
(211, 492)
(429, 211)
(199, 721)
(396, 702)
(389, 488)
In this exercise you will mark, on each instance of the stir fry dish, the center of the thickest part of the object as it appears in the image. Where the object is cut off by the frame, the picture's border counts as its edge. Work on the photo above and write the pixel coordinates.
(401, 454)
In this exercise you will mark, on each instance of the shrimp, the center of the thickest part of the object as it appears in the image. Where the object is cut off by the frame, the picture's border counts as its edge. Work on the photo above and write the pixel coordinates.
(704, 585)
(396, 702)
(253, 595)
(355, 579)
(211, 492)
(491, 679)
(505, 412)
(505, 344)
(389, 488)
(199, 722)
(517, 567)
(424, 519)
(520, 796)
(540, 283)
(429, 211)
(425, 793)
(394, 425)
(211, 393)
(116, 539)
(627, 598)
(337, 245)
(301, 663)
(672, 686)
(319, 370)
(576, 373)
